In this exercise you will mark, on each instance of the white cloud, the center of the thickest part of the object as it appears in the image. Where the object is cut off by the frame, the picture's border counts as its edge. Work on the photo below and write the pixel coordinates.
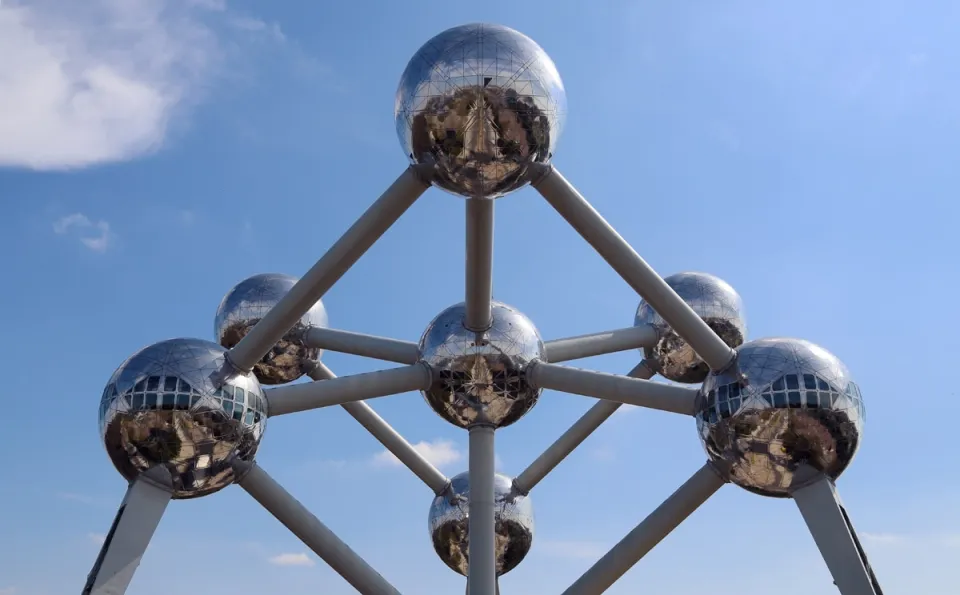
(81, 498)
(8, 591)
(299, 559)
(100, 81)
(95, 235)
(440, 453)
(96, 538)
(941, 540)
(577, 550)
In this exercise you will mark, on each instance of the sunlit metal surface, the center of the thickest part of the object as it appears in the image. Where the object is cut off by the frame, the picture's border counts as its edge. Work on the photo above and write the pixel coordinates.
(782, 404)
(246, 304)
(716, 303)
(179, 404)
(480, 378)
(481, 103)
(448, 524)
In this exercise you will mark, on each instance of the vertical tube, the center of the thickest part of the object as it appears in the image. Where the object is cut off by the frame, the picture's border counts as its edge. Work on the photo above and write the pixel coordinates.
(479, 275)
(482, 572)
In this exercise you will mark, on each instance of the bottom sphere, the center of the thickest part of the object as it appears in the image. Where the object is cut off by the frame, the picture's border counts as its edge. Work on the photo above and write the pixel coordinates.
(178, 404)
(449, 525)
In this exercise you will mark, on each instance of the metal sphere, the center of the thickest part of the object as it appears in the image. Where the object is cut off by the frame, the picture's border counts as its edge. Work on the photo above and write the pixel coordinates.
(179, 404)
(481, 104)
(782, 404)
(246, 304)
(449, 527)
(716, 303)
(480, 378)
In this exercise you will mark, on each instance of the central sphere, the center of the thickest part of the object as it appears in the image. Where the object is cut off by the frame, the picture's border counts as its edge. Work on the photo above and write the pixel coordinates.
(246, 304)
(449, 524)
(179, 404)
(480, 103)
(480, 378)
(782, 404)
(716, 303)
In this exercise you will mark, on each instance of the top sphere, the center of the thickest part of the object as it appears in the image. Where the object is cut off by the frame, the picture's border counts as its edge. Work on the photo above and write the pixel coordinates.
(450, 526)
(480, 103)
(781, 405)
(180, 405)
(481, 377)
(716, 303)
(246, 304)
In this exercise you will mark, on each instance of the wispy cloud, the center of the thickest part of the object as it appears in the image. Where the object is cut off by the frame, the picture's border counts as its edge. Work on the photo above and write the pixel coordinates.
(577, 550)
(440, 453)
(299, 559)
(95, 235)
(101, 81)
(81, 498)
(96, 538)
(937, 540)
(8, 591)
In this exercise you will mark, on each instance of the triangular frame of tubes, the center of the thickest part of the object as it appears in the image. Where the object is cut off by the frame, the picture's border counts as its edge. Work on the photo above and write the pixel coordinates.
(819, 504)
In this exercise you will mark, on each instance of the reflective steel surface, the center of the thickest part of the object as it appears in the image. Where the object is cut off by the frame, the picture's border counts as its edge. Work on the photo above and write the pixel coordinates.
(716, 303)
(783, 403)
(246, 304)
(480, 103)
(481, 377)
(448, 524)
(179, 404)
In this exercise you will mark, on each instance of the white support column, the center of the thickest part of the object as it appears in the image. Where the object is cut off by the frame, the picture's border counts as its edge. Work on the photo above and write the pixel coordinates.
(479, 269)
(634, 337)
(133, 528)
(482, 551)
(390, 350)
(830, 526)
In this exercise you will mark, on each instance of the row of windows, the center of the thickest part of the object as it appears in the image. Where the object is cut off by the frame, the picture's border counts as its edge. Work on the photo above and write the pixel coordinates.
(184, 402)
(173, 384)
(785, 393)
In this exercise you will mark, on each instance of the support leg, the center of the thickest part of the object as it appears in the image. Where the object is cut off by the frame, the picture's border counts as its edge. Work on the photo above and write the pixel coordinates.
(827, 519)
(314, 534)
(482, 573)
(128, 538)
(651, 531)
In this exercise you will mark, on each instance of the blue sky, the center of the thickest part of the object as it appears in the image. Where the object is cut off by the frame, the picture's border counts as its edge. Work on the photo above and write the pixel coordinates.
(154, 153)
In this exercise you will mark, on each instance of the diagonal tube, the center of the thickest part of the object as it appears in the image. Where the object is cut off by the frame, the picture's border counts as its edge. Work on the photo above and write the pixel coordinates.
(328, 270)
(651, 531)
(388, 437)
(314, 534)
(572, 438)
(622, 389)
(571, 348)
(390, 350)
(347, 389)
(479, 269)
(573, 207)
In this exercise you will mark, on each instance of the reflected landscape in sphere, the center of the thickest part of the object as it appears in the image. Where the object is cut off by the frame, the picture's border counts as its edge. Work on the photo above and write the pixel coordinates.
(178, 404)
(246, 304)
(783, 404)
(481, 378)
(716, 303)
(448, 524)
(480, 103)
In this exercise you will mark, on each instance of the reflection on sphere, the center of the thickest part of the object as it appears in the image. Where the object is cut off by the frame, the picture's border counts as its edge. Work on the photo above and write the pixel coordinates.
(481, 103)
(480, 378)
(782, 404)
(180, 405)
(449, 526)
(246, 304)
(716, 303)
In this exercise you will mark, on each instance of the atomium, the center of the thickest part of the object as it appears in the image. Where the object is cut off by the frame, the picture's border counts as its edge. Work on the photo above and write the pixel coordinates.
(479, 377)
(179, 405)
(478, 112)
(782, 404)
(246, 304)
(449, 526)
(480, 103)
(716, 303)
